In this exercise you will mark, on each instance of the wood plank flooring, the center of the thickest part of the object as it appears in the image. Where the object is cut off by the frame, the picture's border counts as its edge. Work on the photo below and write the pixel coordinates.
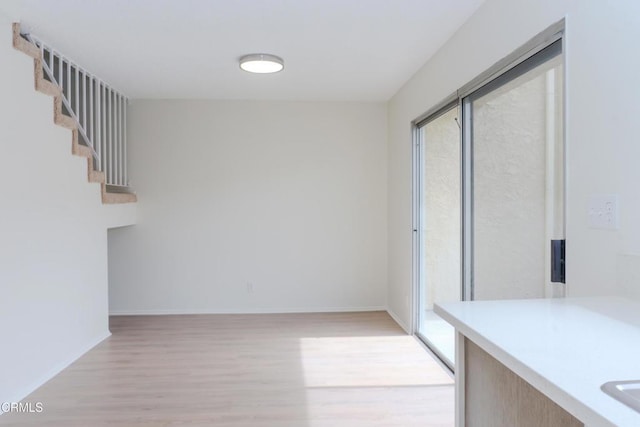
(280, 370)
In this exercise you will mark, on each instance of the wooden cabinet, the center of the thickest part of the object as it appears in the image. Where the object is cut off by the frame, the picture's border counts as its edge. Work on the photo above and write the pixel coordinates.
(495, 396)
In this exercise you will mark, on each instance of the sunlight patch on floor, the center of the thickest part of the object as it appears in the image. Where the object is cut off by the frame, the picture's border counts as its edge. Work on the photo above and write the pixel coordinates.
(363, 381)
(371, 362)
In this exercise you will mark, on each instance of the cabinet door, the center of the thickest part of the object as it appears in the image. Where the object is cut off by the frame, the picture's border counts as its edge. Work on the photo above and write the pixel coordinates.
(497, 397)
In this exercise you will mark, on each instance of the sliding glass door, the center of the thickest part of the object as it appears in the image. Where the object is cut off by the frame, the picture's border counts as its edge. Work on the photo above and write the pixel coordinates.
(489, 194)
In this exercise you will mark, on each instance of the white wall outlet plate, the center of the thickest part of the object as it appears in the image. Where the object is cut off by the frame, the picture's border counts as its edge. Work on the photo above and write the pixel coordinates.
(603, 211)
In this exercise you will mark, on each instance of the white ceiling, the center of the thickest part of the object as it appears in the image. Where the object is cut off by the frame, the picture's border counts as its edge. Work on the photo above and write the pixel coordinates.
(351, 50)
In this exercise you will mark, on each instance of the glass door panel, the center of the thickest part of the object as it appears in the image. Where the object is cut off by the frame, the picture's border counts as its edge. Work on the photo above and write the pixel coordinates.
(518, 182)
(439, 231)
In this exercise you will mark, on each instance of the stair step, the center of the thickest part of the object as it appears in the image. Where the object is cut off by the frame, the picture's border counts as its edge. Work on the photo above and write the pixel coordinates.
(59, 117)
(46, 87)
(82, 151)
(108, 197)
(23, 45)
(95, 176)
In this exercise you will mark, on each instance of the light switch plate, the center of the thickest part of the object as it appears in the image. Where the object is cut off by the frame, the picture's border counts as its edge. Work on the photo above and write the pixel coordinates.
(603, 211)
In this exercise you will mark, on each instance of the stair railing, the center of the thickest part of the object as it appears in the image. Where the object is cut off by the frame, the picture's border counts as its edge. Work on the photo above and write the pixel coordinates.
(100, 111)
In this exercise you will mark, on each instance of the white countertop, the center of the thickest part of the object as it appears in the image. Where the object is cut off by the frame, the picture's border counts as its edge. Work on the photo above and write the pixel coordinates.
(566, 348)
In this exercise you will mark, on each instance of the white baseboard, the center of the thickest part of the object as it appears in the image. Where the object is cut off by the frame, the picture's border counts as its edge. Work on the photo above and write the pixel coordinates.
(177, 311)
(72, 357)
(398, 321)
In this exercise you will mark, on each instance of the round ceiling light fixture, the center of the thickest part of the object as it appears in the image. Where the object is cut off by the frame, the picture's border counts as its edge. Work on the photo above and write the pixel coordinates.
(261, 63)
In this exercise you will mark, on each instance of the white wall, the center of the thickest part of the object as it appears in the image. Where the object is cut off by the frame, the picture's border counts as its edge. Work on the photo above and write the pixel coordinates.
(602, 74)
(287, 196)
(53, 239)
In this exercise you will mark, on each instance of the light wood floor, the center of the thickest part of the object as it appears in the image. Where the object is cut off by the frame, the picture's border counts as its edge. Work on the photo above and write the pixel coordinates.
(282, 370)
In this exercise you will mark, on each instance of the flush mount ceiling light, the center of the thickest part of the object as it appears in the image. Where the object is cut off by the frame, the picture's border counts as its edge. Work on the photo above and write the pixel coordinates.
(261, 63)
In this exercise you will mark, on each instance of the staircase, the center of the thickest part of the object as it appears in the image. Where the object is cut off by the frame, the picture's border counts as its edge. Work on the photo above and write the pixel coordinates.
(93, 111)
